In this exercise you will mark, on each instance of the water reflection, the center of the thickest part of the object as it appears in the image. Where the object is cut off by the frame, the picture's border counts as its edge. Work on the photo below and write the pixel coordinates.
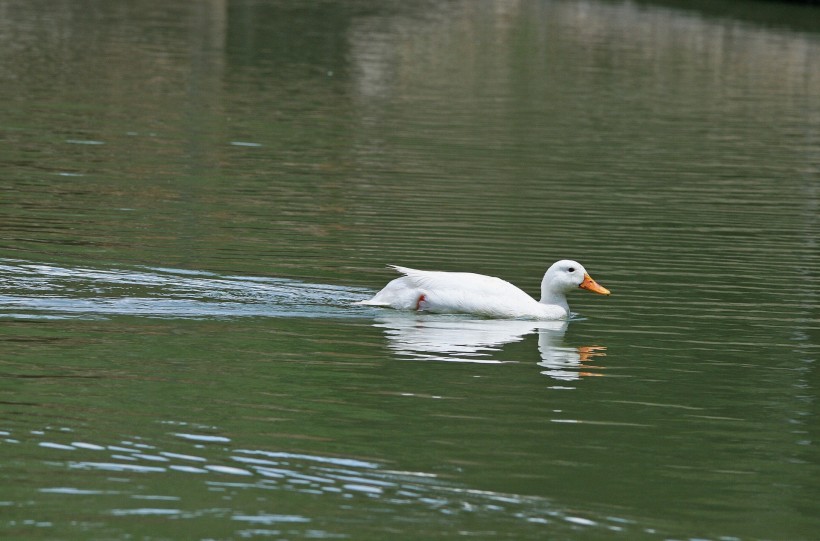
(429, 337)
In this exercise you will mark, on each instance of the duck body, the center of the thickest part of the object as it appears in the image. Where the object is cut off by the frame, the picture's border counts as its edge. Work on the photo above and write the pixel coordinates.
(486, 296)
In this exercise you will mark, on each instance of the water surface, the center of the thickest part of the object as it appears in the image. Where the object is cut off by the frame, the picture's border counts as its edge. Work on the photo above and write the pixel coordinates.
(193, 196)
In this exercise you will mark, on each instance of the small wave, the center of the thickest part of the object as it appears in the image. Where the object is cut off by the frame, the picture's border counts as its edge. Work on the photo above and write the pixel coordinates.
(34, 290)
(337, 480)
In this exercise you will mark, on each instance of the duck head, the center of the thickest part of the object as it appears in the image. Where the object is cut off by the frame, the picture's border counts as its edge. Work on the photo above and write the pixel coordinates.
(565, 276)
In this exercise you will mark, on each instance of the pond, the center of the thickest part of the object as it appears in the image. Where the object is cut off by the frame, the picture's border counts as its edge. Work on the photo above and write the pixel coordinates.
(194, 195)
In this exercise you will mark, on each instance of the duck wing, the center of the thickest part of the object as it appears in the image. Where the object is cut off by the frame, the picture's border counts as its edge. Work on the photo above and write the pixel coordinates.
(468, 292)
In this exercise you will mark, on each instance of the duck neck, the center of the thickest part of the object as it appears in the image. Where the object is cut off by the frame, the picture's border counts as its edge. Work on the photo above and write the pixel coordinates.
(552, 297)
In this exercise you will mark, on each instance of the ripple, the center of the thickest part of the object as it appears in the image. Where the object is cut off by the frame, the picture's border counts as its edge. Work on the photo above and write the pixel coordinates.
(57, 446)
(270, 519)
(30, 290)
(203, 438)
(114, 466)
(73, 491)
(144, 511)
(335, 478)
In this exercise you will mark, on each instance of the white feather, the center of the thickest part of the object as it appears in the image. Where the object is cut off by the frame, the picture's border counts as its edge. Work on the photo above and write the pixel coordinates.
(464, 292)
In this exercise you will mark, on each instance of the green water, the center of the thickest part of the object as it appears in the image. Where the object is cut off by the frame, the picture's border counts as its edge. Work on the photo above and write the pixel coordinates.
(193, 194)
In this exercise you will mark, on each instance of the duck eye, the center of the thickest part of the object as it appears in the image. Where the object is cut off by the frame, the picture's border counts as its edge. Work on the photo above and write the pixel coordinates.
(571, 269)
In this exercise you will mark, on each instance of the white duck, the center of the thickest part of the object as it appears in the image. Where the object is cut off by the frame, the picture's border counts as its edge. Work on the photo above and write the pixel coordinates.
(468, 293)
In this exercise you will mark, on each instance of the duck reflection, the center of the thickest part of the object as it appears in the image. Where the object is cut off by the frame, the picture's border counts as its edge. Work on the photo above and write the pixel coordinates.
(458, 339)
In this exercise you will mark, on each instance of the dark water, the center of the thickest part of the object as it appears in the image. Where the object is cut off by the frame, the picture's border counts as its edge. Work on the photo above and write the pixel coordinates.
(193, 194)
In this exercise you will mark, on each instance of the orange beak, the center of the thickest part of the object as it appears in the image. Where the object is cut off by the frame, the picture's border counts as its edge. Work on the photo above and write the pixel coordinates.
(593, 286)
